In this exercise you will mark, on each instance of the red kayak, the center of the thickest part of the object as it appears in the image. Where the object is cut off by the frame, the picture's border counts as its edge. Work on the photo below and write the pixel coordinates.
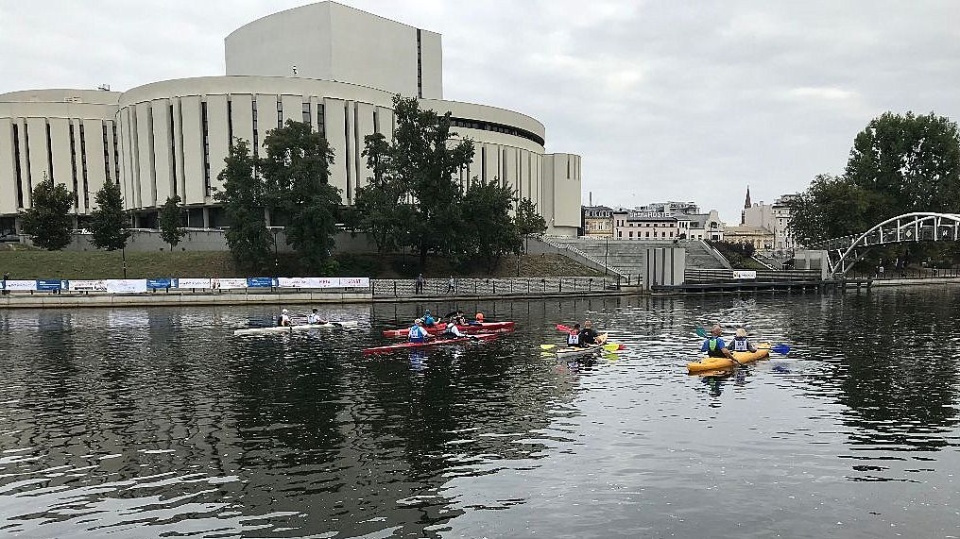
(432, 342)
(437, 328)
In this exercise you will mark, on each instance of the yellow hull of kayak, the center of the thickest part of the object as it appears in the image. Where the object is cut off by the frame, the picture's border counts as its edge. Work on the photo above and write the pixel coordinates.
(717, 363)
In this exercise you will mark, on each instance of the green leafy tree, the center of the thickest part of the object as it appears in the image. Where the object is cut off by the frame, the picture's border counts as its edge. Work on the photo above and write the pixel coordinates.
(171, 230)
(419, 166)
(383, 208)
(909, 163)
(488, 231)
(296, 172)
(528, 220)
(830, 208)
(48, 220)
(109, 221)
(242, 198)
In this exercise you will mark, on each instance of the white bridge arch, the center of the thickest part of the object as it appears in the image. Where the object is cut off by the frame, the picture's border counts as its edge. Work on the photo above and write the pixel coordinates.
(910, 227)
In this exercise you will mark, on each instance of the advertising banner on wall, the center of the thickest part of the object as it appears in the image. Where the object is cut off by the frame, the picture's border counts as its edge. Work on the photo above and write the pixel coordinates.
(354, 282)
(87, 285)
(159, 284)
(126, 286)
(49, 284)
(308, 282)
(229, 284)
(21, 286)
(744, 274)
(188, 282)
(260, 282)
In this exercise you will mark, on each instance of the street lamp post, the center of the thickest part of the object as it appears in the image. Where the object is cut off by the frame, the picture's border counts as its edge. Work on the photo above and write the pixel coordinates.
(276, 254)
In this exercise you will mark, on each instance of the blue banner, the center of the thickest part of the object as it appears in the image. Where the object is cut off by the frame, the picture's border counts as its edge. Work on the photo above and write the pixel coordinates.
(159, 284)
(50, 284)
(260, 282)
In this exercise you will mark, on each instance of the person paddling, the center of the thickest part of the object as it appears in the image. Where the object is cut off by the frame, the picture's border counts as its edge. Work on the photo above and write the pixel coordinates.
(417, 332)
(314, 318)
(589, 336)
(714, 345)
(573, 337)
(284, 319)
(428, 319)
(741, 343)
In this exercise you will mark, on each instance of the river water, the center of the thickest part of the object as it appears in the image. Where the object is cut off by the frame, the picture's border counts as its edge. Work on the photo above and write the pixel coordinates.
(160, 423)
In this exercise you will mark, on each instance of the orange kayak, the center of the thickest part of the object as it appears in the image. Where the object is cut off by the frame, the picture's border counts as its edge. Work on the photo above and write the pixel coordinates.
(717, 363)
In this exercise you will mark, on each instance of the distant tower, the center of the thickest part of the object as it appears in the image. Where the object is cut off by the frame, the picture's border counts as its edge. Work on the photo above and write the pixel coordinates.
(746, 203)
(591, 199)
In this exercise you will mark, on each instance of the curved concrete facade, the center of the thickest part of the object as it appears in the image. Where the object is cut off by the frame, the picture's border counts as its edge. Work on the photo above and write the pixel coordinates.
(171, 137)
(68, 135)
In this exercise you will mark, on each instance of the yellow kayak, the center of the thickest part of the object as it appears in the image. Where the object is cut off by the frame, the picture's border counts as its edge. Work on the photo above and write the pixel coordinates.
(715, 363)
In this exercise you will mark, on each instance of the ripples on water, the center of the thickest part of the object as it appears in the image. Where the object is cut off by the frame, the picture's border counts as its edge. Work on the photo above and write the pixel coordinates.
(158, 423)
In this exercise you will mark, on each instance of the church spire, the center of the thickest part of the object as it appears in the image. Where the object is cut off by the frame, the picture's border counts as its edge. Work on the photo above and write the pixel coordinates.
(746, 203)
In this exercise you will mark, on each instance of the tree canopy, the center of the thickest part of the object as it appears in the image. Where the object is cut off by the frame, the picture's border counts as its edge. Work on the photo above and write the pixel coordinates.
(171, 221)
(48, 220)
(243, 204)
(296, 172)
(898, 164)
(109, 221)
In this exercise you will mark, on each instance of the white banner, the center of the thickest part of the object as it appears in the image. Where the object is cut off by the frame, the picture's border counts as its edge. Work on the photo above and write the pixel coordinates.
(193, 283)
(744, 274)
(87, 285)
(228, 284)
(126, 286)
(308, 282)
(21, 286)
(355, 282)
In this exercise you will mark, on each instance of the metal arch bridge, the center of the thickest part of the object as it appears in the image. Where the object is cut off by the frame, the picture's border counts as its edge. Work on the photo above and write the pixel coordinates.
(844, 252)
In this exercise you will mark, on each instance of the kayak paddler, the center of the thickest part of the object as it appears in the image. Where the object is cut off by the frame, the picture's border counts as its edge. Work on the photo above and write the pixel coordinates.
(573, 338)
(714, 345)
(417, 332)
(741, 343)
(589, 337)
(284, 319)
(428, 319)
(314, 318)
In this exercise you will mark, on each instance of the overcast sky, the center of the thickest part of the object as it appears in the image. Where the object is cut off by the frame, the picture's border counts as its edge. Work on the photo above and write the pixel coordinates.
(665, 100)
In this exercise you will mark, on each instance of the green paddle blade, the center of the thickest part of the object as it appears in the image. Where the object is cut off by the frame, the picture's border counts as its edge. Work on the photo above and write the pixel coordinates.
(701, 332)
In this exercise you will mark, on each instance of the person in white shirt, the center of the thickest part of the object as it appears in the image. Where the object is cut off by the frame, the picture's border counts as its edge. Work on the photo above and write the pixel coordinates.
(314, 318)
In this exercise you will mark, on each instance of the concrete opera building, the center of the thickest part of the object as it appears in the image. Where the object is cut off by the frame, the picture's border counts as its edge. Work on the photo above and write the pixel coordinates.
(328, 64)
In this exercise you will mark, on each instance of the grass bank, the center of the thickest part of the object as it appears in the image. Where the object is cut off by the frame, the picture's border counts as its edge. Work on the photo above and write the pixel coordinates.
(37, 264)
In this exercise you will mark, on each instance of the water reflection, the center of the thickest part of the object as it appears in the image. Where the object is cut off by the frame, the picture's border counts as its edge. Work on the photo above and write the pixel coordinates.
(158, 422)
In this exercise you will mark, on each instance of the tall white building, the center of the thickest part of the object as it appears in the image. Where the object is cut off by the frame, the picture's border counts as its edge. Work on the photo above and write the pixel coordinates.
(333, 66)
(775, 218)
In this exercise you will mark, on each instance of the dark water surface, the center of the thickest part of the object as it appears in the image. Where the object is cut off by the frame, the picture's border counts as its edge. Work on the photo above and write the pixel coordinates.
(160, 423)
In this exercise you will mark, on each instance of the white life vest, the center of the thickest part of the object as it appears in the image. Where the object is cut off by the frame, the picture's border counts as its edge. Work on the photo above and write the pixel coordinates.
(741, 344)
(573, 339)
(416, 333)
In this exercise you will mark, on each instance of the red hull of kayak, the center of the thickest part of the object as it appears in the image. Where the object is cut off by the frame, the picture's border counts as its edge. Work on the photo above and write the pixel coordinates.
(433, 342)
(436, 329)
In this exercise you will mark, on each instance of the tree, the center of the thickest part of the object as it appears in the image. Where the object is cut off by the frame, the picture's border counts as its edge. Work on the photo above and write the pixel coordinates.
(170, 221)
(242, 198)
(48, 220)
(108, 221)
(909, 163)
(489, 232)
(528, 220)
(383, 207)
(418, 169)
(296, 172)
(831, 207)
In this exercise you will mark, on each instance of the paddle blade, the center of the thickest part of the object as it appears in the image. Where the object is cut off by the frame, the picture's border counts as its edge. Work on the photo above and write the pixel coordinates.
(701, 332)
(613, 347)
(547, 346)
(561, 327)
(781, 349)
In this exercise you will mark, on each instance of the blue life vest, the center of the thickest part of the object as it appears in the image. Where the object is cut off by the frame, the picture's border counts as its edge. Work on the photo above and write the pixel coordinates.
(417, 334)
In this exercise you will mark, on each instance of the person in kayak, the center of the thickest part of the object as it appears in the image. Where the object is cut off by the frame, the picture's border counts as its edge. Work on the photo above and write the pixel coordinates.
(741, 343)
(284, 319)
(417, 332)
(314, 318)
(573, 338)
(588, 336)
(452, 331)
(714, 345)
(428, 319)
(477, 319)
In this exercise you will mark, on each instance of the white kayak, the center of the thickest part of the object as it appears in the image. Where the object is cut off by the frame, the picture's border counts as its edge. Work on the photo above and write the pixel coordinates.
(290, 329)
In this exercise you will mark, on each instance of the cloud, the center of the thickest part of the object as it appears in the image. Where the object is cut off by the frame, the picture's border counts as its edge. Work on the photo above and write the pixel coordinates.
(664, 100)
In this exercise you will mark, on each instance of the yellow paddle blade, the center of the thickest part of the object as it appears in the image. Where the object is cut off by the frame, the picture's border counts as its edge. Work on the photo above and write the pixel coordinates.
(611, 347)
(547, 346)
